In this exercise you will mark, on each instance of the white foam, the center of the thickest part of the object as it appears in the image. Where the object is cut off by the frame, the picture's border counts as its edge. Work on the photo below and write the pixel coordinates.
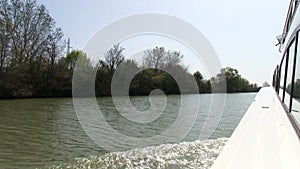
(197, 154)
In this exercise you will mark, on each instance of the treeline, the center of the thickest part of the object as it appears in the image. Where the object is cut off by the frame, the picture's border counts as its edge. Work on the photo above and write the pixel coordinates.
(32, 62)
(30, 45)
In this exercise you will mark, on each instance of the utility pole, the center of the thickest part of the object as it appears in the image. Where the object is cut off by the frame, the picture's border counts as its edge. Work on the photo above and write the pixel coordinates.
(68, 46)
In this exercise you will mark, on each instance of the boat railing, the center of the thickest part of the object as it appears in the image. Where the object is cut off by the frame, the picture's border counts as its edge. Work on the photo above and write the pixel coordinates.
(289, 19)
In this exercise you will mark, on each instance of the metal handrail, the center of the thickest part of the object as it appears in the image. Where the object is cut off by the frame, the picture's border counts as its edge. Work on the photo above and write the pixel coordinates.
(290, 16)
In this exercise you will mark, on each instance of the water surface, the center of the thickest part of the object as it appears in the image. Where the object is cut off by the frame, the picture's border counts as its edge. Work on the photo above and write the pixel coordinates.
(40, 133)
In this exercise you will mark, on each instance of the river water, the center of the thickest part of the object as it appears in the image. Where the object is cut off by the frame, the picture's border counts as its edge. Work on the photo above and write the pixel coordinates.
(46, 133)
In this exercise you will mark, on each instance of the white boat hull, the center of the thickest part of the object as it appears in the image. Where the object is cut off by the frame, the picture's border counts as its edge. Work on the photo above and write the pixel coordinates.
(264, 139)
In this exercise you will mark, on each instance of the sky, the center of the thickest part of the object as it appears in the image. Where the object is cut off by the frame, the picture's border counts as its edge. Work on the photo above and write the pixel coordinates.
(243, 32)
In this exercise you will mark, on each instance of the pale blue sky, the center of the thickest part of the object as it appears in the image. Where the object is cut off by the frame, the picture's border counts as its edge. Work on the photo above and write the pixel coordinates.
(242, 31)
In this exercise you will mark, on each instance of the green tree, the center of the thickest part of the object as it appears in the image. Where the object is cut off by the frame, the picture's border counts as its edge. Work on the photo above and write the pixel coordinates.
(234, 81)
(296, 91)
(203, 85)
(75, 57)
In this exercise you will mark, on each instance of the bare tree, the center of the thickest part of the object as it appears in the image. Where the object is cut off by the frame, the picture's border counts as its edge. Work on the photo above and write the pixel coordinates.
(30, 30)
(30, 43)
(55, 46)
(4, 45)
(114, 57)
(158, 58)
(154, 58)
(4, 36)
(173, 58)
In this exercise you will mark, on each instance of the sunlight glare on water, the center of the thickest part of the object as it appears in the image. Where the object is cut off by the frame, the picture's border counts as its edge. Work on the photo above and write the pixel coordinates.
(197, 154)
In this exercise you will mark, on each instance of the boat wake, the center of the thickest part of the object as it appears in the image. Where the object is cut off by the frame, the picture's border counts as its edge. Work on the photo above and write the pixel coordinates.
(197, 154)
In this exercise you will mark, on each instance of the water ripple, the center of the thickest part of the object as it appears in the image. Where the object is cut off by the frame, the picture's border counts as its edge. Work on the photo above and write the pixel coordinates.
(189, 155)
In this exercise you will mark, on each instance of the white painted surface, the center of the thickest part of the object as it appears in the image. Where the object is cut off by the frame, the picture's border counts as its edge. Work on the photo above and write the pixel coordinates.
(264, 139)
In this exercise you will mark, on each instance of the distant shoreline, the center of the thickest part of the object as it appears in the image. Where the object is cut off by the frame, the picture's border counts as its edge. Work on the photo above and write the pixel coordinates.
(69, 97)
